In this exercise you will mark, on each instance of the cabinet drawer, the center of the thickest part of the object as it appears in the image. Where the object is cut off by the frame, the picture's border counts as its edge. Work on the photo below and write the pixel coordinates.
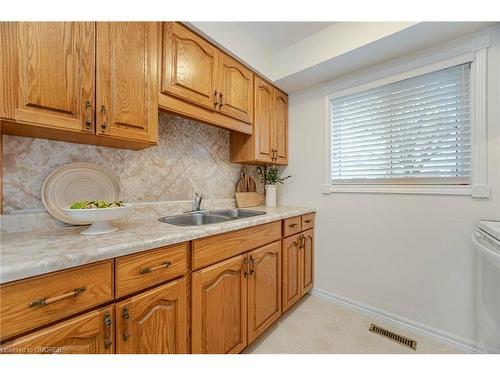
(307, 221)
(210, 250)
(139, 271)
(291, 226)
(33, 302)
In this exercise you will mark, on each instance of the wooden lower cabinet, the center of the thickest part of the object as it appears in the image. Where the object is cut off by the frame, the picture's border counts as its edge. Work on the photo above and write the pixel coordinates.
(232, 302)
(153, 322)
(298, 266)
(264, 289)
(219, 307)
(308, 261)
(90, 333)
(291, 270)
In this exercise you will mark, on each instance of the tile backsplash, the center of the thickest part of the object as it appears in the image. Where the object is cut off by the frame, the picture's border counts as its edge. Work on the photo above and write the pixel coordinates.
(189, 157)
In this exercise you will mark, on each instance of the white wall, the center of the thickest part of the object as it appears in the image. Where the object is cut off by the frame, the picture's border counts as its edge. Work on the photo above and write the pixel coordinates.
(408, 255)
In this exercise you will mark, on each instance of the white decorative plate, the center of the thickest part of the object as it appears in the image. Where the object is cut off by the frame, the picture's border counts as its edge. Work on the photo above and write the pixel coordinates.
(75, 182)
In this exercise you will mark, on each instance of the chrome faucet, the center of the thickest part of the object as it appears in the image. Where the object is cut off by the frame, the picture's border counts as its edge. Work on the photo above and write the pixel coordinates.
(197, 201)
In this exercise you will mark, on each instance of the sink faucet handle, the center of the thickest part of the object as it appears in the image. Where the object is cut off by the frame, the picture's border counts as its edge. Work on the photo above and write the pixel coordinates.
(197, 201)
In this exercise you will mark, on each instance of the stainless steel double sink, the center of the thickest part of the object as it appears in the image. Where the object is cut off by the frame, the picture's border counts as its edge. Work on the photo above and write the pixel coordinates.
(209, 217)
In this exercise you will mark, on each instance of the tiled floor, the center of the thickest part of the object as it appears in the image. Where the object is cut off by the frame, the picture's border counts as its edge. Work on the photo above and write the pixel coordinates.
(318, 326)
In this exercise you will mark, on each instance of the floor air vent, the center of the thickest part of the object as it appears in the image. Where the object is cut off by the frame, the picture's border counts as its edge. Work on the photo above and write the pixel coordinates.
(405, 341)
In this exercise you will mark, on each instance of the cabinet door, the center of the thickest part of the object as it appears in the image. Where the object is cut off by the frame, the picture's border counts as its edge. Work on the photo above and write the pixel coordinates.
(189, 68)
(308, 260)
(219, 307)
(263, 126)
(235, 89)
(264, 289)
(280, 127)
(127, 75)
(153, 322)
(91, 333)
(49, 74)
(292, 275)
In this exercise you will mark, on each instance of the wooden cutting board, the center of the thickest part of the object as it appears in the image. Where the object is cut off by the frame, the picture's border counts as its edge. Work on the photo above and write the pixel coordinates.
(246, 183)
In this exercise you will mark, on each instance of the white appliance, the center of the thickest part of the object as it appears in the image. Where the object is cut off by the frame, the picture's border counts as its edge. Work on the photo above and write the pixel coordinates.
(486, 240)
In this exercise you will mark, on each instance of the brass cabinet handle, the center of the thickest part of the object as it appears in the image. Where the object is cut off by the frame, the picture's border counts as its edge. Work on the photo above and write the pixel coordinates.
(47, 301)
(221, 101)
(252, 265)
(107, 330)
(88, 114)
(303, 242)
(145, 270)
(307, 221)
(104, 125)
(216, 103)
(293, 225)
(245, 267)
(126, 317)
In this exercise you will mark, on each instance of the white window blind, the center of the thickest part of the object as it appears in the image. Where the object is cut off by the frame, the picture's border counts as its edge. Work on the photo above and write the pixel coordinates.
(412, 131)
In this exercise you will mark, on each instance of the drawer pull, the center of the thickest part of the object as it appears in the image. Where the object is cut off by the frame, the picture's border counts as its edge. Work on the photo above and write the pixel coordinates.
(107, 329)
(48, 301)
(308, 221)
(146, 270)
(293, 225)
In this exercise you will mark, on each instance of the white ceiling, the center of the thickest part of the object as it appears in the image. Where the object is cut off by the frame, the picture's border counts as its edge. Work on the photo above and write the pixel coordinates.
(297, 55)
(277, 35)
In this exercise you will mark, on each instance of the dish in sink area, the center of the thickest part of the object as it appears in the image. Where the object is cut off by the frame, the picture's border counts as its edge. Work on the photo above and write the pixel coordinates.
(209, 217)
(98, 217)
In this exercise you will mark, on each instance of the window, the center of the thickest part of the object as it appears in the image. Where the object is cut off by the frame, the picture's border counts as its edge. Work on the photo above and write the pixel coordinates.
(413, 131)
(415, 126)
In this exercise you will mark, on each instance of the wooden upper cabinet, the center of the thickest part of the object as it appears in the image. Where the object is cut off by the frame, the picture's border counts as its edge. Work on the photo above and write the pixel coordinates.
(264, 289)
(263, 128)
(127, 74)
(189, 69)
(269, 142)
(153, 322)
(91, 333)
(48, 74)
(235, 89)
(219, 307)
(280, 127)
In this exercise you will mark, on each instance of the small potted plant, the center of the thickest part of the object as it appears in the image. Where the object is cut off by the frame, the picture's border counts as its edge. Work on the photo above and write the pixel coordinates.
(270, 176)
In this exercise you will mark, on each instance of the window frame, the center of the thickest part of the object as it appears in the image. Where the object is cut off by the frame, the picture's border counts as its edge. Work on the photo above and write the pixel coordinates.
(475, 53)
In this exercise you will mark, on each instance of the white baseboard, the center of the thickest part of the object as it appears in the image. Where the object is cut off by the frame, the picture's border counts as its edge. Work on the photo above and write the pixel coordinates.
(456, 342)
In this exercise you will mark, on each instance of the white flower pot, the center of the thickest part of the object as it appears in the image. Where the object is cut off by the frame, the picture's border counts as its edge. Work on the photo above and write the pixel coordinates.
(271, 195)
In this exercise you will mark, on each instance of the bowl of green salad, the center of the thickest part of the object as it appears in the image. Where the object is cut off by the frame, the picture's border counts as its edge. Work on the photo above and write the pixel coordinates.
(99, 213)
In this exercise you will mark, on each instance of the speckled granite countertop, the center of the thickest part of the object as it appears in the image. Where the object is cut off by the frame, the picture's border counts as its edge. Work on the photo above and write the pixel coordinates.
(31, 253)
